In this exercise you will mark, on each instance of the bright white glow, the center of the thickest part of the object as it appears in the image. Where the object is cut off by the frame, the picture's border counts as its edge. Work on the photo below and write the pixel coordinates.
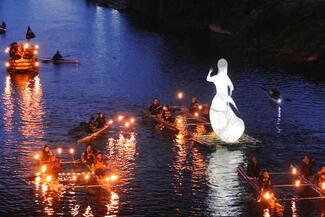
(224, 121)
(7, 64)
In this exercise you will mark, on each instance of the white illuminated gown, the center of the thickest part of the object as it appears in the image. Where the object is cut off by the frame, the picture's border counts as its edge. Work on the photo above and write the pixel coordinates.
(224, 121)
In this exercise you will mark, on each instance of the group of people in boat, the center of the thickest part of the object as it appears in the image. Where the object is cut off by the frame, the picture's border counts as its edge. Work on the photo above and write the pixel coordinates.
(264, 179)
(24, 50)
(165, 113)
(97, 123)
(94, 160)
(3, 27)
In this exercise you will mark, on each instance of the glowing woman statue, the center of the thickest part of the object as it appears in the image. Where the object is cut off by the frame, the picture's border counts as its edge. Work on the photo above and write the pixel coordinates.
(224, 121)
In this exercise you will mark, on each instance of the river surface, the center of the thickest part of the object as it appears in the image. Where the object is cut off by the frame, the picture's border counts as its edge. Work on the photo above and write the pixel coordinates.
(124, 64)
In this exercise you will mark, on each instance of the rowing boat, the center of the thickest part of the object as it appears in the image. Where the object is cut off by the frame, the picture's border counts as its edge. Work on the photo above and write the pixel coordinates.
(93, 135)
(59, 61)
(314, 186)
(166, 124)
(269, 200)
(2, 30)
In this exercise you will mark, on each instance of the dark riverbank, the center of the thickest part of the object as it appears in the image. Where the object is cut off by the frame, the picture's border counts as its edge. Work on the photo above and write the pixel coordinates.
(283, 32)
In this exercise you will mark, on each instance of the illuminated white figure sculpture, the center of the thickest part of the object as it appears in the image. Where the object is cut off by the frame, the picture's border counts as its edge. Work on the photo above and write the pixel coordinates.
(224, 121)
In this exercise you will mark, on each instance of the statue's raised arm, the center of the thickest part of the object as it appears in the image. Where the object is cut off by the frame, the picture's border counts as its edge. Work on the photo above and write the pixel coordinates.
(209, 78)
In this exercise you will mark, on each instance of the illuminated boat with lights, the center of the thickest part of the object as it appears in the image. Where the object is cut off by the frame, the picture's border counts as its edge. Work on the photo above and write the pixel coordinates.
(267, 198)
(93, 135)
(22, 58)
(165, 124)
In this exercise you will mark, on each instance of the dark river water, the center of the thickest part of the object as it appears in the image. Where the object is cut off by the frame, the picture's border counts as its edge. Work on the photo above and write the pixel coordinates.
(124, 64)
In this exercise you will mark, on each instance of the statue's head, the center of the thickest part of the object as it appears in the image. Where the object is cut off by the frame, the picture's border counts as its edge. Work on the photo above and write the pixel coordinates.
(222, 65)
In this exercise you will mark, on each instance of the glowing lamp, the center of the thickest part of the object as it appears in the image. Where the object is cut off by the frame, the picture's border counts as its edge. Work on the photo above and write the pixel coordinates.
(132, 120)
(26, 46)
(120, 117)
(49, 178)
(267, 195)
(7, 64)
(71, 150)
(114, 177)
(179, 121)
(294, 171)
(110, 122)
(323, 185)
(297, 183)
(196, 114)
(36, 156)
(35, 52)
(107, 179)
(200, 107)
(127, 124)
(59, 150)
(43, 169)
(36, 64)
(36, 46)
(87, 177)
(74, 178)
(180, 95)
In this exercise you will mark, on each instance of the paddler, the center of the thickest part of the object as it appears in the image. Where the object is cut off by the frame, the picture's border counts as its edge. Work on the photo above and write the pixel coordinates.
(55, 167)
(46, 154)
(88, 157)
(253, 168)
(264, 181)
(92, 124)
(101, 120)
(321, 177)
(3, 25)
(307, 167)
(57, 56)
(194, 106)
(155, 108)
(100, 165)
(166, 114)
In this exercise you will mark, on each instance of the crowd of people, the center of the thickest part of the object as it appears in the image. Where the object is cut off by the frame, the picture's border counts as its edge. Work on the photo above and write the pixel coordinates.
(18, 51)
(97, 123)
(91, 158)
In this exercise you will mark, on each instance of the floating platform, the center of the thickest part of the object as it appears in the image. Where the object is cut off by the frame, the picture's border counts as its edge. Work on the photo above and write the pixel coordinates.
(214, 140)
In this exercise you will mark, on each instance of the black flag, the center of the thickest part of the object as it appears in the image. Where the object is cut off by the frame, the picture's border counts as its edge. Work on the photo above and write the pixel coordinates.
(30, 34)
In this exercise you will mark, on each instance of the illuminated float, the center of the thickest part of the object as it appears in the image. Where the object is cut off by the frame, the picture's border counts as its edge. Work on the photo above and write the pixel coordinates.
(228, 127)
(22, 57)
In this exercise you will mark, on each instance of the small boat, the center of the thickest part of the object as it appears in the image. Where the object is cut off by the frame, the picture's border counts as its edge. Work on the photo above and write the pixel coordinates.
(59, 61)
(275, 97)
(166, 124)
(267, 198)
(93, 135)
(3, 30)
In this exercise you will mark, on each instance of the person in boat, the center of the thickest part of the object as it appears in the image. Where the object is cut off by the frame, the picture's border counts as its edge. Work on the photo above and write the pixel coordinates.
(307, 167)
(92, 124)
(155, 108)
(14, 51)
(101, 120)
(205, 113)
(321, 176)
(57, 56)
(46, 154)
(194, 106)
(166, 114)
(100, 165)
(274, 93)
(55, 167)
(88, 157)
(3, 25)
(253, 168)
(264, 181)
